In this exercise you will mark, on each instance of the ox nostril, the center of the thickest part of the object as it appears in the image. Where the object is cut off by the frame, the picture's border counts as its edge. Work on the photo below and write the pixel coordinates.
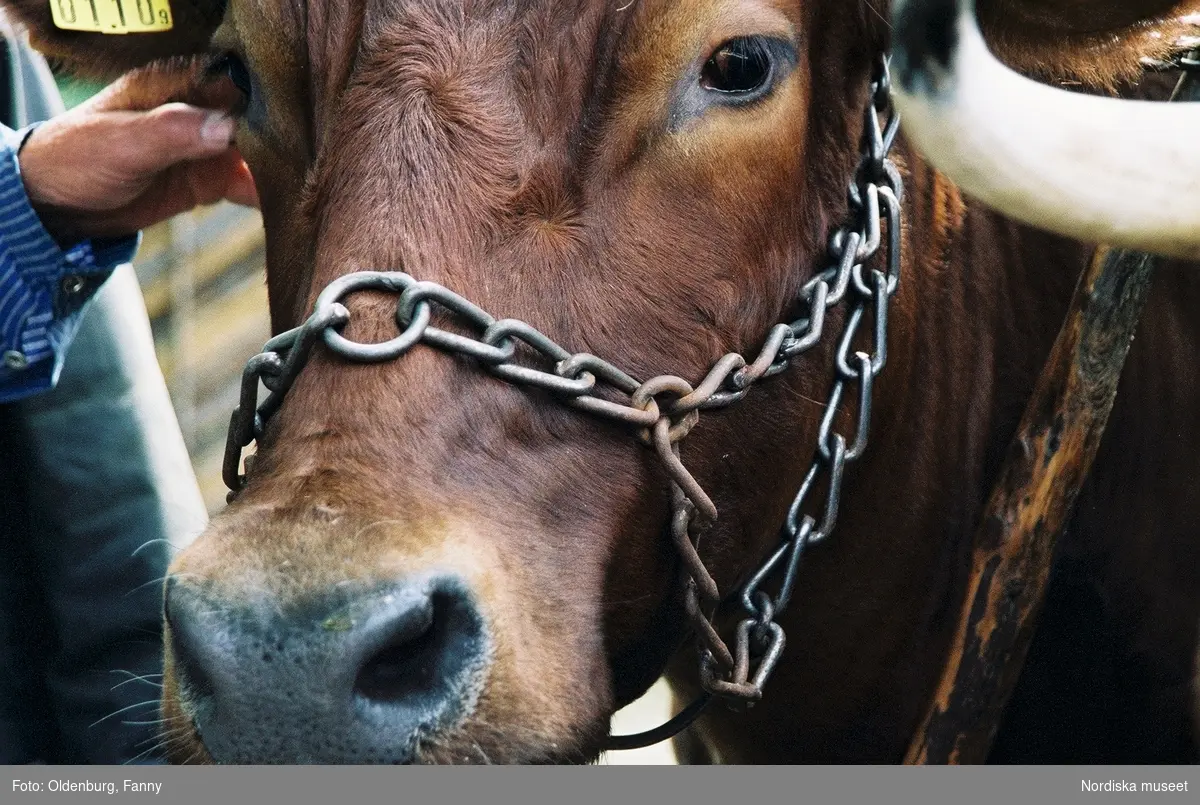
(407, 663)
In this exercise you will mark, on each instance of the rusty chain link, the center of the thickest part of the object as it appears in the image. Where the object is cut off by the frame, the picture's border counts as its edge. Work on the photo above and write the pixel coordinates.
(663, 409)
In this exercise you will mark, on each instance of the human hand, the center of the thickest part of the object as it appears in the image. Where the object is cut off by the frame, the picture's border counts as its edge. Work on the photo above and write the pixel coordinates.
(97, 171)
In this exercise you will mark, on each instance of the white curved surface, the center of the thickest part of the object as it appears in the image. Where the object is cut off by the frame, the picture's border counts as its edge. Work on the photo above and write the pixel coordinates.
(1103, 170)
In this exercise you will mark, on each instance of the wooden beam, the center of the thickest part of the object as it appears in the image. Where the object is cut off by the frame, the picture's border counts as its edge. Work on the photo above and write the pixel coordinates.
(1044, 470)
(1031, 505)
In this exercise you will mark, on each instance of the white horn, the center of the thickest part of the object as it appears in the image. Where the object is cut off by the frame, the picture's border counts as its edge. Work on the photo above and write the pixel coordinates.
(1102, 170)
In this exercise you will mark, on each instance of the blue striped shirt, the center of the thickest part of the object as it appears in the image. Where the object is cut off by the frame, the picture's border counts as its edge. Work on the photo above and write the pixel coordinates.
(43, 288)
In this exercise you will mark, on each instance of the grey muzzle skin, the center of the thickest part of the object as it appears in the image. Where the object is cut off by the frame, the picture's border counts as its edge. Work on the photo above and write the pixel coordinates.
(356, 674)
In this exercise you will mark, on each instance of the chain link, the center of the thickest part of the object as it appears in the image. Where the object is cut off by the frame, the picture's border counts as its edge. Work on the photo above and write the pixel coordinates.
(1190, 62)
(663, 409)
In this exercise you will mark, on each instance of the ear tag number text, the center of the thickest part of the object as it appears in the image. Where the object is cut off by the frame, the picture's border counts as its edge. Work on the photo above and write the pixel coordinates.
(112, 16)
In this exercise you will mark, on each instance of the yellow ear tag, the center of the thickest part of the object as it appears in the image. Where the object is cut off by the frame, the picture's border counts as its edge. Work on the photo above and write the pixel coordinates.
(112, 16)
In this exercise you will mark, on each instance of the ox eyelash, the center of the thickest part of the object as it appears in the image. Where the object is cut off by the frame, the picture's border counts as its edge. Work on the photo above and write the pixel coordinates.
(230, 65)
(773, 57)
(213, 64)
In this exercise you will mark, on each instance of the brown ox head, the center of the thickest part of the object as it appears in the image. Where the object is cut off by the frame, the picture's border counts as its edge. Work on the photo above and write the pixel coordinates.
(429, 564)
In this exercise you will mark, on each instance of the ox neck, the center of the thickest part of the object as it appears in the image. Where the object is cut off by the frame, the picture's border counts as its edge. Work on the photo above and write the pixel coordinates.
(983, 300)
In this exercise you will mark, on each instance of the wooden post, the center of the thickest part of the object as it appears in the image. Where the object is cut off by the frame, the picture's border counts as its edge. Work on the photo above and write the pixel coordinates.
(1047, 464)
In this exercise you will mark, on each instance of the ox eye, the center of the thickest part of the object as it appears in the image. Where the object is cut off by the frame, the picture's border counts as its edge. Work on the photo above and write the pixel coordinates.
(741, 69)
(232, 67)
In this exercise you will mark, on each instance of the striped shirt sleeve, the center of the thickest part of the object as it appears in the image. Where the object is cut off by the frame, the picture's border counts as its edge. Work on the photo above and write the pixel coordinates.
(43, 287)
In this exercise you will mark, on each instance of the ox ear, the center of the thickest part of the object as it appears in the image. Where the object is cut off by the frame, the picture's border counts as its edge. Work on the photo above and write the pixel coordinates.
(1098, 42)
(105, 56)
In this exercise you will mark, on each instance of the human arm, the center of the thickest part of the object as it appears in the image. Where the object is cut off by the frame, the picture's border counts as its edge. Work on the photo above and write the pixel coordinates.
(73, 193)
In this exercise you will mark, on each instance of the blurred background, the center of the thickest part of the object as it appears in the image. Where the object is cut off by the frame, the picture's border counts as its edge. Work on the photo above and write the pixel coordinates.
(203, 278)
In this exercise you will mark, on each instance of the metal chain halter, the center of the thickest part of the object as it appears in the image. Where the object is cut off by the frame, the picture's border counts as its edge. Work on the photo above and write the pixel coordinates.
(664, 408)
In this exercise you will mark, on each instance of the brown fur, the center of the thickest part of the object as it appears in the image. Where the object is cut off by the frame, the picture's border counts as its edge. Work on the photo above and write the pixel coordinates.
(520, 154)
(100, 55)
(1096, 42)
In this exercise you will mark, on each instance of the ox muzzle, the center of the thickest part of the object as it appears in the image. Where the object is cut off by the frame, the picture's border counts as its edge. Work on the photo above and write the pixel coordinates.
(358, 674)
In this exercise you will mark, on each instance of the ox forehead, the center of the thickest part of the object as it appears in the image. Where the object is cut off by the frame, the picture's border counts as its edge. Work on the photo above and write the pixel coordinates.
(428, 564)
(464, 143)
